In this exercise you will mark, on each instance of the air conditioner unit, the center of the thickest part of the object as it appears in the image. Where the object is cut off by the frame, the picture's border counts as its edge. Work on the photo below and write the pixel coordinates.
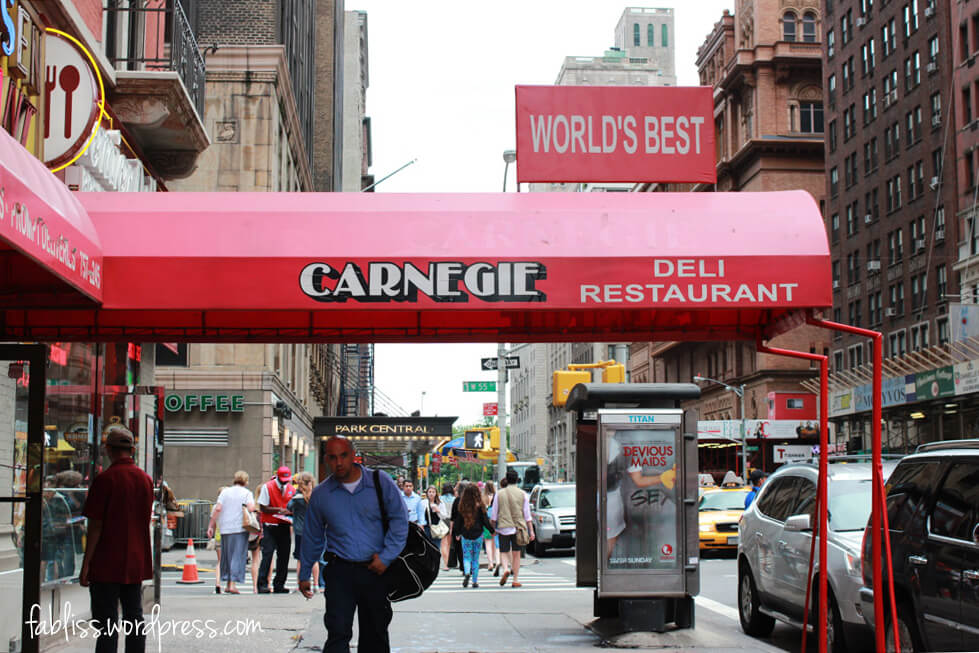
(933, 184)
(936, 120)
(929, 12)
(861, 21)
(890, 312)
(873, 266)
(836, 284)
(919, 244)
(894, 96)
(868, 218)
(931, 67)
(887, 100)
(939, 234)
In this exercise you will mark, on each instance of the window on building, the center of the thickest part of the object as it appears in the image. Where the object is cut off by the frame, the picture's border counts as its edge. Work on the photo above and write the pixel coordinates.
(941, 279)
(834, 181)
(846, 27)
(664, 36)
(918, 117)
(830, 44)
(919, 171)
(831, 136)
(909, 128)
(885, 39)
(837, 358)
(811, 117)
(933, 50)
(936, 109)
(635, 35)
(936, 163)
(788, 26)
(867, 167)
(650, 35)
(866, 6)
(835, 227)
(915, 69)
(852, 223)
(968, 162)
(966, 106)
(895, 247)
(809, 27)
(912, 186)
(874, 311)
(942, 325)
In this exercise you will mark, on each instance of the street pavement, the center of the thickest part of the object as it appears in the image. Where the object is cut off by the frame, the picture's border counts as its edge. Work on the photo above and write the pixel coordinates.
(548, 614)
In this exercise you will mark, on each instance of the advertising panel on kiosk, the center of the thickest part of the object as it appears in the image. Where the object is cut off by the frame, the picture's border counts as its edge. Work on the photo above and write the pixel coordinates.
(639, 462)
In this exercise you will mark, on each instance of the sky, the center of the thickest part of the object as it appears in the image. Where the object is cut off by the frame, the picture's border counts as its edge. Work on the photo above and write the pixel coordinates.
(441, 90)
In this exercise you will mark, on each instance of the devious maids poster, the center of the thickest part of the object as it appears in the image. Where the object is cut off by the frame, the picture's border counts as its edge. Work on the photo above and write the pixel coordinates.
(640, 491)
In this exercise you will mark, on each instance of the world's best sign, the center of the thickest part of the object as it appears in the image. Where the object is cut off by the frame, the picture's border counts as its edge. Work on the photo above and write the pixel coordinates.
(615, 134)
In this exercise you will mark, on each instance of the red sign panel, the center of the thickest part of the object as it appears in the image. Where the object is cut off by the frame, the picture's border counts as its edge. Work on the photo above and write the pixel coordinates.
(615, 134)
(490, 409)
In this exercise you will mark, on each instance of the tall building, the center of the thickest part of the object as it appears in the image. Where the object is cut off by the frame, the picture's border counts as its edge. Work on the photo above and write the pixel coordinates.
(764, 63)
(267, 68)
(899, 94)
(643, 54)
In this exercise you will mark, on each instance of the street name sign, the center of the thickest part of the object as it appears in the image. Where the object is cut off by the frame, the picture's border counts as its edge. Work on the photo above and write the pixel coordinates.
(479, 386)
(512, 363)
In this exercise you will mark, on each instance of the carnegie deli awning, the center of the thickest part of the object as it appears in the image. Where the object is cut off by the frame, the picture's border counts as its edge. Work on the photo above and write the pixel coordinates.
(515, 267)
(50, 255)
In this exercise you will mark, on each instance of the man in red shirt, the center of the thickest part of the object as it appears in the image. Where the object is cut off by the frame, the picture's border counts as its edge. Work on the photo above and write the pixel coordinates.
(117, 551)
(276, 530)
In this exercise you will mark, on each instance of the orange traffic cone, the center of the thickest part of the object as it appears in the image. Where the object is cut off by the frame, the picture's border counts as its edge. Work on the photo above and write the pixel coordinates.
(190, 566)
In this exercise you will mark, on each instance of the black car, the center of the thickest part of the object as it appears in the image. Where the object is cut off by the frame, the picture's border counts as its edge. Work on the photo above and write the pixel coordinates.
(933, 516)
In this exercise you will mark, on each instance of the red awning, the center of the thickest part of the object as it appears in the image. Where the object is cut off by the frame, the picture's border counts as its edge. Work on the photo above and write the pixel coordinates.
(49, 249)
(529, 267)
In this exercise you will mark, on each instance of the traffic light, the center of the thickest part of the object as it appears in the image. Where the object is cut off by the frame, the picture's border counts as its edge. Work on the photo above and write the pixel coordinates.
(494, 434)
(614, 374)
(563, 381)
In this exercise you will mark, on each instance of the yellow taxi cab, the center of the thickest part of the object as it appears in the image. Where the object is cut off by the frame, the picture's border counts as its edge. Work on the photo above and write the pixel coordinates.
(720, 510)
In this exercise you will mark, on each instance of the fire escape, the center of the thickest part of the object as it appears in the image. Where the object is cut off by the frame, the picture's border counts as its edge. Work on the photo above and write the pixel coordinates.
(357, 380)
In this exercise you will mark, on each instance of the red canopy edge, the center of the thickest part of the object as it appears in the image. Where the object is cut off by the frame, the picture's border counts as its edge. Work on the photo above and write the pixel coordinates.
(48, 244)
(531, 267)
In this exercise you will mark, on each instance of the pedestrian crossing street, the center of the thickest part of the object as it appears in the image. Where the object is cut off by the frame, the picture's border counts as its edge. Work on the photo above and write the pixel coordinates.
(532, 578)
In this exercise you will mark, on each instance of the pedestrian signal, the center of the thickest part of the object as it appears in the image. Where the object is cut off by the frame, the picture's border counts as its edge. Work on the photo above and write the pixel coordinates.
(614, 374)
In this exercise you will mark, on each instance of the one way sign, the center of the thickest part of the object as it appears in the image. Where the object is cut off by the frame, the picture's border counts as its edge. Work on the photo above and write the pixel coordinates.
(512, 363)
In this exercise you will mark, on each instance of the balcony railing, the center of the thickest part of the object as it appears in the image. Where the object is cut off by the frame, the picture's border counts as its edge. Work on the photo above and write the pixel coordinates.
(156, 37)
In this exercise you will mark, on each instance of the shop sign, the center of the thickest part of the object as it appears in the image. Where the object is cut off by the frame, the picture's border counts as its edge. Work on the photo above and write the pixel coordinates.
(841, 403)
(615, 134)
(758, 429)
(71, 95)
(787, 453)
(103, 167)
(967, 377)
(892, 394)
(390, 427)
(935, 383)
(204, 403)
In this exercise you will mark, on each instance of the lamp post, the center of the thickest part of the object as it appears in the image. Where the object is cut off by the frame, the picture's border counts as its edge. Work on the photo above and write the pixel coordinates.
(421, 404)
(738, 390)
(509, 156)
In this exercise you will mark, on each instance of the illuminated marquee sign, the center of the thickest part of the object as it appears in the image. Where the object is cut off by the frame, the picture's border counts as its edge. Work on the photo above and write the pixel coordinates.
(204, 402)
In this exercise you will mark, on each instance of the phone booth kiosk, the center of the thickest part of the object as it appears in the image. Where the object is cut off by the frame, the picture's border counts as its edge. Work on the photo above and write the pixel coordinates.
(637, 529)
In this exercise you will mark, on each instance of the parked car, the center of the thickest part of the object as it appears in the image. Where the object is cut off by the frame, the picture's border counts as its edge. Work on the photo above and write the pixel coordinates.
(773, 552)
(719, 512)
(552, 507)
(933, 518)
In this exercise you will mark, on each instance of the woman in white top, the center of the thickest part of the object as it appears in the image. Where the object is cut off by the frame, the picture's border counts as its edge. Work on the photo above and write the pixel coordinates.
(227, 516)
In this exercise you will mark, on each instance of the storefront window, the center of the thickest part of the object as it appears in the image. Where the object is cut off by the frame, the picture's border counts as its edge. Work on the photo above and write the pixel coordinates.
(68, 457)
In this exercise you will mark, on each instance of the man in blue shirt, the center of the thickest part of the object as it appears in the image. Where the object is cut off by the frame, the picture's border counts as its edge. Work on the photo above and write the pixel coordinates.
(344, 509)
(757, 479)
(414, 504)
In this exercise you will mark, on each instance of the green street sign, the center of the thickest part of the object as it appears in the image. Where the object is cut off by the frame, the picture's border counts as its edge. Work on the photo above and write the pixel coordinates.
(479, 386)
(751, 448)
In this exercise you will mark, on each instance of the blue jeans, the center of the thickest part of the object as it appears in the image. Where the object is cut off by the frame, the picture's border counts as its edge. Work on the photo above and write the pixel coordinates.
(470, 556)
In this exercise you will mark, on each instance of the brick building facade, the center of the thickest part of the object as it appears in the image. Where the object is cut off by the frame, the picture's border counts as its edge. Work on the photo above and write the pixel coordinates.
(768, 120)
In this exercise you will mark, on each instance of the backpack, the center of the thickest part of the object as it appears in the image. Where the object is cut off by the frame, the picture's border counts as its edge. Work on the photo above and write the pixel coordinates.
(417, 566)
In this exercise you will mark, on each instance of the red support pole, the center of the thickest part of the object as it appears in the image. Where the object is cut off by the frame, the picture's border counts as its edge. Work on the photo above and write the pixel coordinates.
(878, 519)
(821, 499)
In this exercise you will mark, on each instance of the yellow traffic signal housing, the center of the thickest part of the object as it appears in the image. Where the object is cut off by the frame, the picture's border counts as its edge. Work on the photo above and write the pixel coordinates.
(614, 374)
(563, 381)
(494, 439)
(428, 459)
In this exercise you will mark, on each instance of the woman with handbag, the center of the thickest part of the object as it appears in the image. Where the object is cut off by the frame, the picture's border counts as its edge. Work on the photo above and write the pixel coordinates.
(436, 529)
(468, 526)
(445, 514)
(234, 514)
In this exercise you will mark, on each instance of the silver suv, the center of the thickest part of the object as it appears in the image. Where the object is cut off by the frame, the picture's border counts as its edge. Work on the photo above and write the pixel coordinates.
(773, 554)
(552, 507)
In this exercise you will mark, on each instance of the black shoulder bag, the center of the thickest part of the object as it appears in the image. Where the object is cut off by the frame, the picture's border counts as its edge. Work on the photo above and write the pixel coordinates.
(417, 566)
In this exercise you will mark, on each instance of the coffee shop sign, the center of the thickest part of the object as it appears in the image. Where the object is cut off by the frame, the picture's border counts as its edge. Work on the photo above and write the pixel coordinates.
(203, 403)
